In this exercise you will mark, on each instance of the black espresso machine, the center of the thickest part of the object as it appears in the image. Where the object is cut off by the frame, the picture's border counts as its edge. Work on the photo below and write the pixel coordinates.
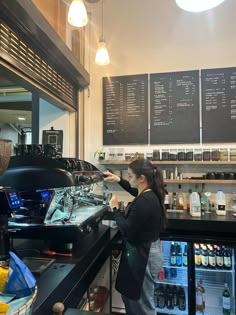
(61, 199)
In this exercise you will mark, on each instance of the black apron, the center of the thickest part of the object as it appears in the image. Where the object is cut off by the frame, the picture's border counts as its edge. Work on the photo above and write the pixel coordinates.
(132, 268)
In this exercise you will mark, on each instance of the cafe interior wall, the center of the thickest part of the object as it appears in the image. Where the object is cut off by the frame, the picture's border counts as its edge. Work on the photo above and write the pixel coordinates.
(52, 116)
(150, 37)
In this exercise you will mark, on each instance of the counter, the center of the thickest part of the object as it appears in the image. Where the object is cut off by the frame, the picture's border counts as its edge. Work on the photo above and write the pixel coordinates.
(68, 279)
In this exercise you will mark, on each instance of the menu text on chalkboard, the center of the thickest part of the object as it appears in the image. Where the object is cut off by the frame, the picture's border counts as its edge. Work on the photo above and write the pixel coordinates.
(218, 105)
(174, 108)
(125, 110)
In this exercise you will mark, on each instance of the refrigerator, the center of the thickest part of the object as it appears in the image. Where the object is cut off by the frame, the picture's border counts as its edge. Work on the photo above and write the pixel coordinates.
(172, 287)
(214, 279)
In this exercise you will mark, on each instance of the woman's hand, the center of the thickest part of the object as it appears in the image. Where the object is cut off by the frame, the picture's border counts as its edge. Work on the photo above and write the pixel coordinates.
(110, 177)
(113, 203)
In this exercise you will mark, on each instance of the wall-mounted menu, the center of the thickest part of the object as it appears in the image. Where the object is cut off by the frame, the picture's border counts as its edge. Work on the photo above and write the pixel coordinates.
(218, 105)
(125, 110)
(174, 108)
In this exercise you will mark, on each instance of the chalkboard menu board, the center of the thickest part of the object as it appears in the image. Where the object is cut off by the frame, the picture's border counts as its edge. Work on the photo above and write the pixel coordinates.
(219, 105)
(174, 108)
(125, 110)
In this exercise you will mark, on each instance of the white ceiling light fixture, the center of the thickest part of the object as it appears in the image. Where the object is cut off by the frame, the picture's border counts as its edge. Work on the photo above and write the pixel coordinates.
(77, 15)
(102, 56)
(198, 5)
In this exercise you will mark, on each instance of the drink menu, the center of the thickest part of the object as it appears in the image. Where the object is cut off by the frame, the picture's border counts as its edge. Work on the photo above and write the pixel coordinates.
(125, 110)
(174, 108)
(218, 105)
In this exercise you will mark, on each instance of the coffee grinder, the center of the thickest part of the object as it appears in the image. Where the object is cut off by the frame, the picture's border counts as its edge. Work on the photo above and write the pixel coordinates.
(9, 200)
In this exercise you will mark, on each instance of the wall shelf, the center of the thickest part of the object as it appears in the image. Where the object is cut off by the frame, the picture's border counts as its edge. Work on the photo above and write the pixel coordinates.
(116, 162)
(200, 181)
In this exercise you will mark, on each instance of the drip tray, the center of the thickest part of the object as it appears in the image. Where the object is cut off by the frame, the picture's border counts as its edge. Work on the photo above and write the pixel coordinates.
(37, 265)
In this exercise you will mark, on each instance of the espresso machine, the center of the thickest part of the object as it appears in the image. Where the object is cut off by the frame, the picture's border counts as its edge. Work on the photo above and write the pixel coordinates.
(61, 199)
(9, 201)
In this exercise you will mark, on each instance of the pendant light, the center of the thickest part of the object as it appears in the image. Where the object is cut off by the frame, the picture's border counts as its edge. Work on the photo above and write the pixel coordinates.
(198, 5)
(102, 56)
(77, 15)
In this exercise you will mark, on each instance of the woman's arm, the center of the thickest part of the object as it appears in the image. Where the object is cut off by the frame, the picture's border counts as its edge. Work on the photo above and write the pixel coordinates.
(112, 178)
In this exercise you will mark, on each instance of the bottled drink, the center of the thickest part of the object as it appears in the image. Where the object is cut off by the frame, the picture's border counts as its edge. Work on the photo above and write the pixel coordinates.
(212, 256)
(166, 200)
(204, 256)
(226, 300)
(185, 256)
(182, 299)
(179, 255)
(219, 258)
(174, 201)
(188, 199)
(200, 297)
(160, 297)
(173, 254)
(195, 206)
(220, 203)
(169, 298)
(233, 202)
(227, 261)
(197, 255)
(175, 296)
(180, 199)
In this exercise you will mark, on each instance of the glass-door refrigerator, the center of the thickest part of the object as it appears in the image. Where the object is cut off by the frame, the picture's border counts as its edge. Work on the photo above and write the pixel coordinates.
(171, 289)
(214, 279)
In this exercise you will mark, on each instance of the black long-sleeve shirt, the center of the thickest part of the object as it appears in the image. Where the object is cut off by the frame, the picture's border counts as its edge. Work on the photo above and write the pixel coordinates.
(143, 220)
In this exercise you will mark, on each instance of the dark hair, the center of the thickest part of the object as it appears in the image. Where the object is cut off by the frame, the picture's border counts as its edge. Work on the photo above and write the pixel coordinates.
(155, 182)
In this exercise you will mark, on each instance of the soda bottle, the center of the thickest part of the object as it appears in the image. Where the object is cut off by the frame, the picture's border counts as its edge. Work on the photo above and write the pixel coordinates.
(185, 256)
(226, 301)
(173, 254)
(200, 297)
(160, 297)
(179, 255)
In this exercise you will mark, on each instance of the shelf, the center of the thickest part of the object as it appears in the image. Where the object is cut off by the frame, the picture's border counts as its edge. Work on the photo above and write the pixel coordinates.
(200, 181)
(171, 282)
(175, 311)
(116, 162)
(215, 270)
(213, 311)
(177, 267)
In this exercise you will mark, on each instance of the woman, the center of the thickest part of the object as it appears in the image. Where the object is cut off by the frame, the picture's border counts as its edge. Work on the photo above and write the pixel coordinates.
(140, 227)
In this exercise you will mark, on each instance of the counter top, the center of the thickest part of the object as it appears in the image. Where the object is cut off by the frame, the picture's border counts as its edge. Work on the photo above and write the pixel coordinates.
(208, 225)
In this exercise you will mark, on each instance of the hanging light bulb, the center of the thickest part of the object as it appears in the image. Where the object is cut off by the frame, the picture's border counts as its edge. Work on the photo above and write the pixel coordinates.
(102, 56)
(77, 15)
(198, 5)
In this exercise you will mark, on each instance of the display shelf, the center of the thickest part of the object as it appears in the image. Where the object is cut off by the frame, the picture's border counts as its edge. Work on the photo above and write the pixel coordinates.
(175, 311)
(213, 311)
(177, 267)
(117, 162)
(215, 270)
(171, 282)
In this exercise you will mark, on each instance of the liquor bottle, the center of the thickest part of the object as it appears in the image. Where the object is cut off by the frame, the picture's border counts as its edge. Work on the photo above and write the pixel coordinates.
(179, 255)
(180, 199)
(226, 301)
(173, 254)
(175, 296)
(166, 200)
(185, 256)
(212, 257)
(188, 199)
(204, 256)
(197, 255)
(227, 258)
(182, 299)
(174, 201)
(160, 296)
(200, 297)
(219, 258)
(169, 298)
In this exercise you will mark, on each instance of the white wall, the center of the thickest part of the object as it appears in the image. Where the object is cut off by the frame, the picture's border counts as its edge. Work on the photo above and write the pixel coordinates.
(149, 37)
(51, 116)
